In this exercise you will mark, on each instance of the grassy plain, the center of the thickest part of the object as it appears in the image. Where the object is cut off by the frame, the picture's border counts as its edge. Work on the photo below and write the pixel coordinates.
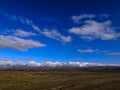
(59, 80)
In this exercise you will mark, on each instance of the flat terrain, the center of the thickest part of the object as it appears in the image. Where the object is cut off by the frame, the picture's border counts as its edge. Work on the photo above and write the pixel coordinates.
(59, 80)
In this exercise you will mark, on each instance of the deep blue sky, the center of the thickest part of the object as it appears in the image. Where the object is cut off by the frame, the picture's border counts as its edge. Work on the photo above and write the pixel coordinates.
(94, 38)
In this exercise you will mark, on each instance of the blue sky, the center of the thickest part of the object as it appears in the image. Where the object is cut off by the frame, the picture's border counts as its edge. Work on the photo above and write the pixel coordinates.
(60, 30)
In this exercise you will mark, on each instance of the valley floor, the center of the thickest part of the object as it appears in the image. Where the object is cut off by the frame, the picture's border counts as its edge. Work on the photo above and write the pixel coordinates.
(59, 80)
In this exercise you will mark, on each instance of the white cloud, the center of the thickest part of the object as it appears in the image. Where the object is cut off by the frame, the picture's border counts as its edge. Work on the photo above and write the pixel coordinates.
(23, 21)
(15, 42)
(81, 18)
(114, 53)
(104, 15)
(87, 50)
(91, 30)
(54, 34)
(28, 22)
(6, 62)
(35, 27)
(77, 19)
(105, 51)
(51, 34)
(23, 33)
(12, 42)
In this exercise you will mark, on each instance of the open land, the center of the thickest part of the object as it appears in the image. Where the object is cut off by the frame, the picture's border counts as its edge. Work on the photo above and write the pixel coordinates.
(59, 80)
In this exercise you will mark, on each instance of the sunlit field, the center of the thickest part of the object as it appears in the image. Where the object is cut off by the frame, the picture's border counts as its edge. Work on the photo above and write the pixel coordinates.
(59, 80)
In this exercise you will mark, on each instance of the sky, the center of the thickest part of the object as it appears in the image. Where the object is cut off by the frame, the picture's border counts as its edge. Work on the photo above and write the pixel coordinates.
(60, 31)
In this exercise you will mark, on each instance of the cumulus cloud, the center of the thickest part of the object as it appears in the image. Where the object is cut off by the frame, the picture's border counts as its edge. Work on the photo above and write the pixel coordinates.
(91, 30)
(13, 42)
(114, 53)
(77, 19)
(87, 50)
(54, 34)
(23, 33)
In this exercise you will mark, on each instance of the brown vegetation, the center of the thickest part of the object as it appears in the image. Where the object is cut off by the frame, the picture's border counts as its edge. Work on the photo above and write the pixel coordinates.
(59, 80)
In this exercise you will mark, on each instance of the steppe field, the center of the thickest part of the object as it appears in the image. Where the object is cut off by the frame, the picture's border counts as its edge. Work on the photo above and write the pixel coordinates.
(59, 80)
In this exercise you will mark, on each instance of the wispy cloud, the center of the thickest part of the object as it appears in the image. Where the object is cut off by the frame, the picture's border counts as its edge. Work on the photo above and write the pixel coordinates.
(105, 51)
(54, 34)
(77, 19)
(80, 18)
(13, 42)
(23, 33)
(27, 22)
(78, 58)
(20, 19)
(104, 15)
(87, 50)
(114, 53)
(10, 17)
(91, 30)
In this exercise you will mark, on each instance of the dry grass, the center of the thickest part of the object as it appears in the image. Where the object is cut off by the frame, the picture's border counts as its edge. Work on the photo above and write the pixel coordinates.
(59, 80)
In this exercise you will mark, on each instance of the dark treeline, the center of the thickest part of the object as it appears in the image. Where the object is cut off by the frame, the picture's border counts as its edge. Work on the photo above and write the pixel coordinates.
(65, 69)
